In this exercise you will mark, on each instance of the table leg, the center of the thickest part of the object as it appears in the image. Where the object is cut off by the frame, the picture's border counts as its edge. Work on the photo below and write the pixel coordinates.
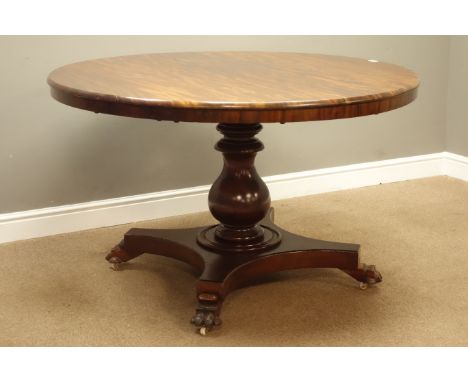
(246, 244)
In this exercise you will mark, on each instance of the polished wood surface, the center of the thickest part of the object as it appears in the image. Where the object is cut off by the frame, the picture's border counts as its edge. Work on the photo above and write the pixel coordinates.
(234, 87)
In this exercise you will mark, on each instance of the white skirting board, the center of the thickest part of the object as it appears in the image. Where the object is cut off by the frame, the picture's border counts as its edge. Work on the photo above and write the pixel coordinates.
(69, 218)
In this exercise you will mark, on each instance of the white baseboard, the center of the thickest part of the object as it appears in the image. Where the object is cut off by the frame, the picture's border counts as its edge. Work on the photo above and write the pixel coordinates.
(455, 166)
(69, 218)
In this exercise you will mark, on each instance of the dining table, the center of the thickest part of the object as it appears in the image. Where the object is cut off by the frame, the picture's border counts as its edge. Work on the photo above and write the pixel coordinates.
(240, 92)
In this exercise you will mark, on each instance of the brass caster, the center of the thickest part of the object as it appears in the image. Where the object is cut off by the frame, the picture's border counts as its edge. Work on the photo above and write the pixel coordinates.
(363, 285)
(115, 264)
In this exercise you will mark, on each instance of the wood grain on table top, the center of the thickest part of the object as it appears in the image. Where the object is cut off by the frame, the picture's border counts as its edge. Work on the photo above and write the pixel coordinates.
(234, 86)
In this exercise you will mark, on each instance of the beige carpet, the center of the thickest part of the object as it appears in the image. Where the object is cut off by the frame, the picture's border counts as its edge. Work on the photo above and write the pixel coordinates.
(59, 290)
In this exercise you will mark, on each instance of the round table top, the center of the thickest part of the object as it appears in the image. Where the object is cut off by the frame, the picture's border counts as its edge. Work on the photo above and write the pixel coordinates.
(234, 87)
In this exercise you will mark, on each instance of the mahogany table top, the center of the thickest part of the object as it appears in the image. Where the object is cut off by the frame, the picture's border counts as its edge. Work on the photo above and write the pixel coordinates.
(234, 87)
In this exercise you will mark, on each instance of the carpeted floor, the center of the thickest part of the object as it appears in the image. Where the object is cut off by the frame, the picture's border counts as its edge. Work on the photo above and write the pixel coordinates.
(59, 291)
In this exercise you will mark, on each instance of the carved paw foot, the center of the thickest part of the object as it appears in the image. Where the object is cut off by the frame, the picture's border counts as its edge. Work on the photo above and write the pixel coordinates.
(207, 315)
(205, 321)
(366, 275)
(373, 276)
(117, 256)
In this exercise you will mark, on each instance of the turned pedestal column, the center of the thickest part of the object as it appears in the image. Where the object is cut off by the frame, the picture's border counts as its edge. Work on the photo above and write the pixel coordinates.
(239, 199)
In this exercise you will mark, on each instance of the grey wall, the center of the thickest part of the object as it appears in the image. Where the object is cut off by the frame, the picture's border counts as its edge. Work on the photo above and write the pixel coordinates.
(51, 154)
(457, 100)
